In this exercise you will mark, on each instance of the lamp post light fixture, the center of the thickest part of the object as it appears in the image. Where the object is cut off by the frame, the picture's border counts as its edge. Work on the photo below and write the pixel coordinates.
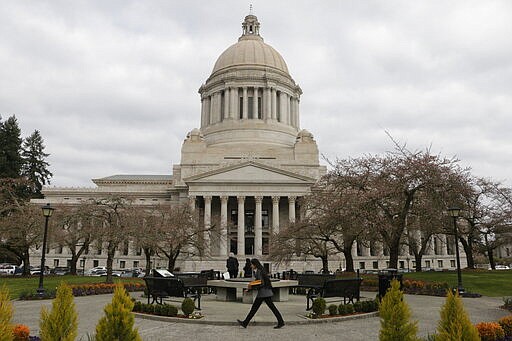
(47, 213)
(454, 213)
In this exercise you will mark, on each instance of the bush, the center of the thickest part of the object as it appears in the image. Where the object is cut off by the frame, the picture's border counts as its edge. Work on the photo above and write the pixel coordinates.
(342, 309)
(187, 306)
(358, 307)
(490, 331)
(506, 324)
(61, 323)
(20, 332)
(117, 324)
(349, 308)
(5, 314)
(455, 323)
(162, 309)
(395, 317)
(319, 306)
(507, 303)
(333, 309)
(370, 306)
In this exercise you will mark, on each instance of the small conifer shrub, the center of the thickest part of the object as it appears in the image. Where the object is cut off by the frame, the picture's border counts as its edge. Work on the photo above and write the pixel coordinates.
(61, 323)
(187, 306)
(6, 312)
(455, 323)
(395, 317)
(117, 324)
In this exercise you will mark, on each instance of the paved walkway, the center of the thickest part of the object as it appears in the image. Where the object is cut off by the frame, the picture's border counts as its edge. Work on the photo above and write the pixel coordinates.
(425, 310)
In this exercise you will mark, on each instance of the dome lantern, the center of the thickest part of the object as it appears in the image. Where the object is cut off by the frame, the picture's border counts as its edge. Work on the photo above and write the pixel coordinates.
(250, 28)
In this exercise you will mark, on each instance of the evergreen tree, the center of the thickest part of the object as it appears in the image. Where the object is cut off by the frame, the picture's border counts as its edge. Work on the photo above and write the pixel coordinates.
(455, 324)
(35, 166)
(117, 324)
(395, 324)
(5, 315)
(10, 149)
(61, 323)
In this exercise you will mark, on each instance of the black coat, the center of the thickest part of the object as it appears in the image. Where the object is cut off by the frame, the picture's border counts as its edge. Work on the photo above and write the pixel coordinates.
(232, 264)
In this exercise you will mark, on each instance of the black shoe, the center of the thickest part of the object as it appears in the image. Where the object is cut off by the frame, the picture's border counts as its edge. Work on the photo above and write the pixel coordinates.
(279, 325)
(241, 323)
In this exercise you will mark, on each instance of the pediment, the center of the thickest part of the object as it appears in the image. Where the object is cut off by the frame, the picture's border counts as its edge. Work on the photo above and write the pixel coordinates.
(250, 172)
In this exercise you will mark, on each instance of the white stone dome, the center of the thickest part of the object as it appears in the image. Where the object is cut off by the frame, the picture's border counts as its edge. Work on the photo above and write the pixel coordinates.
(250, 50)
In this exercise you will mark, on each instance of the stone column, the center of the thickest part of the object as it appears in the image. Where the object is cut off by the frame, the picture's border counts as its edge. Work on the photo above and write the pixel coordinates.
(274, 104)
(207, 107)
(246, 103)
(241, 225)
(255, 103)
(207, 223)
(223, 226)
(291, 209)
(282, 111)
(192, 203)
(226, 104)
(267, 113)
(289, 110)
(258, 232)
(275, 214)
(203, 114)
(218, 106)
(444, 244)
(297, 116)
(354, 249)
(233, 98)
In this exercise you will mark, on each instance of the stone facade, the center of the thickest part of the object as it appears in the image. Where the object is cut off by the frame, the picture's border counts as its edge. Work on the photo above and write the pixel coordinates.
(249, 155)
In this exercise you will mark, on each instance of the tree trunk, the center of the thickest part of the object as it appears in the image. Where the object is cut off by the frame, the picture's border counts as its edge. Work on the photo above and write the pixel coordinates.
(172, 260)
(349, 260)
(417, 258)
(72, 265)
(468, 249)
(325, 264)
(26, 263)
(147, 253)
(111, 250)
(394, 252)
(490, 254)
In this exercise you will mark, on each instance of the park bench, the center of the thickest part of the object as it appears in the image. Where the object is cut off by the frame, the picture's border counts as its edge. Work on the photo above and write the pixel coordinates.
(327, 286)
(165, 287)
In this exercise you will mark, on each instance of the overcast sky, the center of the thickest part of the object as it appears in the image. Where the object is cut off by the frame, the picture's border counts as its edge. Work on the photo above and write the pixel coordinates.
(112, 85)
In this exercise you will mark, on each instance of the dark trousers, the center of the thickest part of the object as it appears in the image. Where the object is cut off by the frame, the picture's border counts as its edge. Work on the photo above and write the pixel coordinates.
(256, 305)
(233, 273)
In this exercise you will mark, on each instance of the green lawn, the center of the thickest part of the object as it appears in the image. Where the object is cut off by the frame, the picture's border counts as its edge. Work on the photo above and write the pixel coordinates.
(488, 283)
(17, 285)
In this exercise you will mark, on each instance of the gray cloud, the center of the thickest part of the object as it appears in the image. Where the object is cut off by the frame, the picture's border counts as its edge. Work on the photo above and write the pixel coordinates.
(113, 85)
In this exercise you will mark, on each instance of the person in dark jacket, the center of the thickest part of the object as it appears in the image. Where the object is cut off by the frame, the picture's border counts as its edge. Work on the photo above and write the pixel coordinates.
(232, 265)
(264, 295)
(247, 268)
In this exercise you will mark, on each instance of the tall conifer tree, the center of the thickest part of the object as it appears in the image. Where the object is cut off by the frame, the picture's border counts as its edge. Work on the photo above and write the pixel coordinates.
(11, 161)
(35, 166)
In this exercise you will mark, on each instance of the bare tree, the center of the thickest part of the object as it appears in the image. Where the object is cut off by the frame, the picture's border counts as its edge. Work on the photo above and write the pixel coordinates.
(20, 231)
(111, 213)
(75, 228)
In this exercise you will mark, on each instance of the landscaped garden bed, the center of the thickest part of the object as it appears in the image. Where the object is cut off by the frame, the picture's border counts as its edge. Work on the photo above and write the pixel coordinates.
(85, 290)
(168, 310)
(342, 310)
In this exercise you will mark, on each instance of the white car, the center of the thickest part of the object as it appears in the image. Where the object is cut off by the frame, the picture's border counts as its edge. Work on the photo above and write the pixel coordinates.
(501, 267)
(96, 271)
(7, 269)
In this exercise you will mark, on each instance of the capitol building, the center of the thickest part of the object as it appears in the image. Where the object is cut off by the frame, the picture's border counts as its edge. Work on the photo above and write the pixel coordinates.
(244, 170)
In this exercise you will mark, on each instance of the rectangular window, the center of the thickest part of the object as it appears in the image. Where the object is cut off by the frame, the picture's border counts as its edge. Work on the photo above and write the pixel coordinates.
(125, 249)
(439, 263)
(241, 107)
(135, 263)
(413, 263)
(375, 265)
(139, 251)
(55, 263)
(359, 250)
(122, 264)
(452, 263)
(260, 115)
(427, 263)
(222, 113)
(508, 252)
(59, 249)
(278, 107)
(402, 264)
(362, 265)
(95, 263)
(264, 218)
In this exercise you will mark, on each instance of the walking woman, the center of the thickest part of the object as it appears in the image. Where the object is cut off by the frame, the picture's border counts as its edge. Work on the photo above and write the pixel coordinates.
(264, 295)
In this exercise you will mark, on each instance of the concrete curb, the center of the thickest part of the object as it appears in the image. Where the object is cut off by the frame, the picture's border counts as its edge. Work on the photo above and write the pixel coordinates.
(266, 323)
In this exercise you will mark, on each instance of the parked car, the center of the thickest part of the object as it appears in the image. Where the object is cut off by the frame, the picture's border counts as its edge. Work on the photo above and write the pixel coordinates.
(60, 271)
(94, 271)
(7, 269)
(501, 267)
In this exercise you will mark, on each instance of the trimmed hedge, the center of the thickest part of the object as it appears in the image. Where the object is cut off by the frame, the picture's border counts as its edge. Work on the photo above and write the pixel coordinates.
(86, 290)
(156, 309)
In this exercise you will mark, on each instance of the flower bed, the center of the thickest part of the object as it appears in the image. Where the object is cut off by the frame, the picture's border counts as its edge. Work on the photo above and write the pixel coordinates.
(165, 309)
(410, 286)
(360, 307)
(86, 290)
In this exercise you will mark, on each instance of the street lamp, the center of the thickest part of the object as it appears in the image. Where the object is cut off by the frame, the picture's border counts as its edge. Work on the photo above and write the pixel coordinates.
(83, 265)
(47, 213)
(454, 213)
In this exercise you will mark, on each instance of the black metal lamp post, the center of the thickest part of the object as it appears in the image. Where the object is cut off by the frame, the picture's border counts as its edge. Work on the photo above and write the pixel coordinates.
(83, 265)
(47, 213)
(454, 213)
